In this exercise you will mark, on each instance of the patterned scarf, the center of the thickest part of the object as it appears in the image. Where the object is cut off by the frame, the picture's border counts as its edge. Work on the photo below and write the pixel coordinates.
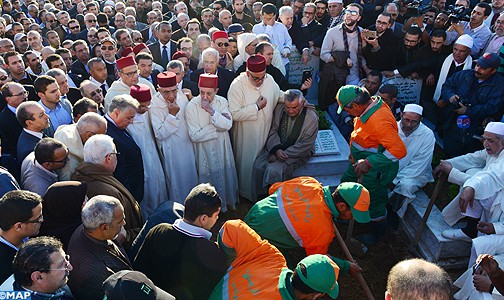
(359, 48)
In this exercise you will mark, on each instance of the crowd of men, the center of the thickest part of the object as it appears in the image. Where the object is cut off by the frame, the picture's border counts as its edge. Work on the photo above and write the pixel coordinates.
(111, 108)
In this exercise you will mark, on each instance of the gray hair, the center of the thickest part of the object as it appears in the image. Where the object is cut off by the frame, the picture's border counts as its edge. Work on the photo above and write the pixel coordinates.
(176, 7)
(90, 121)
(154, 26)
(55, 72)
(94, 60)
(122, 102)
(209, 51)
(99, 210)
(182, 15)
(130, 11)
(293, 94)
(173, 64)
(263, 37)
(258, 3)
(96, 148)
(285, 9)
(224, 11)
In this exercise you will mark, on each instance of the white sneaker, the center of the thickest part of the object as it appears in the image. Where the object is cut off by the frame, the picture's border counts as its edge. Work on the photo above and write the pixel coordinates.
(455, 234)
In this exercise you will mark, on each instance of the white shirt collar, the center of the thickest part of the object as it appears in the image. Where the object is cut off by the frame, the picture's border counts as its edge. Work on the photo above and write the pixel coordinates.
(34, 133)
(11, 108)
(191, 230)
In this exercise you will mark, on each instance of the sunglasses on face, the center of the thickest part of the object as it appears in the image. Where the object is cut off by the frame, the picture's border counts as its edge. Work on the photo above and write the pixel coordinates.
(105, 48)
(222, 44)
(94, 93)
(351, 12)
(75, 27)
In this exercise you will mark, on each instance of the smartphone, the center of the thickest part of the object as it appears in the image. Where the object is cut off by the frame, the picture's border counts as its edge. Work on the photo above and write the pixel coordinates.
(370, 35)
(306, 74)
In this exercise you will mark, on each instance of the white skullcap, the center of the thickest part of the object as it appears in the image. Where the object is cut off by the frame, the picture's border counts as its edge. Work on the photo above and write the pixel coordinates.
(465, 40)
(110, 2)
(495, 127)
(335, 1)
(414, 108)
(9, 27)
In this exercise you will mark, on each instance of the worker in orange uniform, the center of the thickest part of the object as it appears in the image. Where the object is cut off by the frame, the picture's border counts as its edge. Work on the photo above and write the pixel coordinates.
(376, 149)
(259, 271)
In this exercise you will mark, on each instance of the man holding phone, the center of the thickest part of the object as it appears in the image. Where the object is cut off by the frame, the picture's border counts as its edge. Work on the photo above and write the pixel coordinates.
(379, 43)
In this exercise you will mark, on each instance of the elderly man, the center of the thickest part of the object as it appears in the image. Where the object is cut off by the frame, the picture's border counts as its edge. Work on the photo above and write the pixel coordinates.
(475, 98)
(42, 267)
(94, 254)
(253, 97)
(74, 136)
(128, 76)
(209, 120)
(415, 169)
(210, 59)
(375, 151)
(94, 92)
(108, 48)
(291, 141)
(497, 38)
(100, 161)
(155, 184)
(20, 218)
(38, 170)
(170, 129)
(34, 120)
(189, 88)
(220, 42)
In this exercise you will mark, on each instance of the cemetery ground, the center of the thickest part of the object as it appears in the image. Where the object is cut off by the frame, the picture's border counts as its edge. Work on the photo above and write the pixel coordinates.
(380, 258)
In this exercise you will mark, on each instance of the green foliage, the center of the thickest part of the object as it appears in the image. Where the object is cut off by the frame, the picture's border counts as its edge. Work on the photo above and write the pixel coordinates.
(323, 122)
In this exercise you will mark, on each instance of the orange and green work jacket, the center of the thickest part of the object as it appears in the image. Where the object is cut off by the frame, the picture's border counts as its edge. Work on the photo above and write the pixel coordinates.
(258, 270)
(298, 213)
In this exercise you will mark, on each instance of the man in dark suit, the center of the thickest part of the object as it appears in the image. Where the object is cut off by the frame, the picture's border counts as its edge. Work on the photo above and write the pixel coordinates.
(164, 48)
(379, 52)
(34, 120)
(10, 129)
(129, 170)
(210, 58)
(90, 21)
(144, 63)
(79, 66)
(16, 67)
(311, 27)
(189, 88)
(396, 27)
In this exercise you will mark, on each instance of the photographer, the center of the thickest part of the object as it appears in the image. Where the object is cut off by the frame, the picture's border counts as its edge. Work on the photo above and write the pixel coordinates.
(475, 95)
(475, 27)
(379, 44)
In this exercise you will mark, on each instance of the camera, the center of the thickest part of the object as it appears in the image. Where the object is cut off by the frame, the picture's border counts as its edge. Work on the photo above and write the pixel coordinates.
(457, 14)
(414, 8)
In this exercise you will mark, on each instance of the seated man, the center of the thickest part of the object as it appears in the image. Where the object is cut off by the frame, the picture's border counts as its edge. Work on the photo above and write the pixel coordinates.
(100, 161)
(42, 268)
(290, 142)
(265, 270)
(415, 169)
(276, 218)
(20, 218)
(180, 258)
(480, 176)
(94, 254)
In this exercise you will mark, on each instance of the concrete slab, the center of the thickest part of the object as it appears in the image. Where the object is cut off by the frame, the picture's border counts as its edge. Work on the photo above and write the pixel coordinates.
(432, 246)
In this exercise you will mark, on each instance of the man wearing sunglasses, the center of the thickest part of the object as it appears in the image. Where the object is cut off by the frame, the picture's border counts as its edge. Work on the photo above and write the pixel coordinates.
(220, 42)
(108, 48)
(20, 218)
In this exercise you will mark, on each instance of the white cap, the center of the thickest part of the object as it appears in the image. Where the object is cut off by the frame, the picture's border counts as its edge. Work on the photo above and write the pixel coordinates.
(334, 1)
(109, 2)
(465, 40)
(9, 27)
(414, 108)
(495, 127)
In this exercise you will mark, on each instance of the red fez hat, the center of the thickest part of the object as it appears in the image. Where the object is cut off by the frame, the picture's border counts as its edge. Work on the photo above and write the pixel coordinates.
(256, 63)
(139, 48)
(208, 81)
(167, 79)
(125, 62)
(219, 35)
(180, 54)
(141, 92)
(126, 51)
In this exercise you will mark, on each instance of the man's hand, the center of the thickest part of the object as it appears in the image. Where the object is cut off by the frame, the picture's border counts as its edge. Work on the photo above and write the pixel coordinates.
(306, 56)
(349, 62)
(316, 51)
(462, 110)
(482, 283)
(486, 227)
(272, 158)
(205, 104)
(457, 27)
(361, 167)
(431, 79)
(307, 84)
(443, 168)
(488, 264)
(454, 99)
(281, 155)
(173, 108)
(305, 20)
(388, 73)
(466, 198)
(188, 93)
(261, 102)
(373, 42)
(354, 269)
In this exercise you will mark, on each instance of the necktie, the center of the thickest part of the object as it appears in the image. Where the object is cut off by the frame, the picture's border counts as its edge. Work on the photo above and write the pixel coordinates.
(104, 92)
(222, 61)
(164, 56)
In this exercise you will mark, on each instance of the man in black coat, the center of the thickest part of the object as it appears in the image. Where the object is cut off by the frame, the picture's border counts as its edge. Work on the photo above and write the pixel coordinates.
(129, 170)
(164, 48)
(32, 116)
(210, 59)
(379, 52)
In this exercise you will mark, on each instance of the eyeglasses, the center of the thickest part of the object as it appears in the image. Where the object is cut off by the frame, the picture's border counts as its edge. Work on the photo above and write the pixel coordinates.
(257, 79)
(138, 39)
(113, 153)
(40, 219)
(63, 161)
(74, 27)
(351, 12)
(308, 13)
(50, 21)
(93, 36)
(67, 264)
(25, 93)
(97, 92)
(105, 48)
(222, 44)
(91, 21)
(130, 74)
